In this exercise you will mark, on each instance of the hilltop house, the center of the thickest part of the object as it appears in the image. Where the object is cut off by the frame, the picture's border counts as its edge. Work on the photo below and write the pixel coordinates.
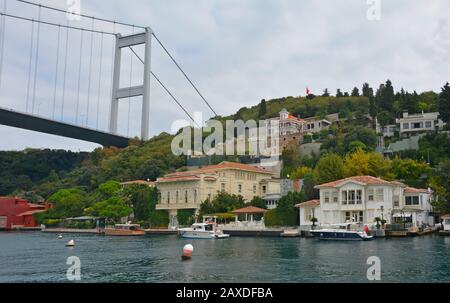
(293, 129)
(413, 124)
(361, 199)
(188, 189)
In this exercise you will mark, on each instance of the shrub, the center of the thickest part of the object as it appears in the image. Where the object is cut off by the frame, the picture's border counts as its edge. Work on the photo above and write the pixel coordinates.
(159, 218)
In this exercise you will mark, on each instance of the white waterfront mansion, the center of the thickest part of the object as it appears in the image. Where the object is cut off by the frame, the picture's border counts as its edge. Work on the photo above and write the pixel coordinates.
(361, 199)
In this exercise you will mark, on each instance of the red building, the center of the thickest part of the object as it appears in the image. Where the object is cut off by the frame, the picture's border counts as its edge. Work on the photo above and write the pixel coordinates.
(18, 213)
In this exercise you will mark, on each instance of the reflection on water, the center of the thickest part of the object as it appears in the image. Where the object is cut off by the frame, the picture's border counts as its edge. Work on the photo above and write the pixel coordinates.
(38, 257)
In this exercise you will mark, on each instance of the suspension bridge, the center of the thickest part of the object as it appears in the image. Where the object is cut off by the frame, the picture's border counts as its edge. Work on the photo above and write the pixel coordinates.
(76, 71)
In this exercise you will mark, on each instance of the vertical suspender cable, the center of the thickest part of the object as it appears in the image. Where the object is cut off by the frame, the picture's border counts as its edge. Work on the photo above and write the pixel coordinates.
(112, 68)
(65, 73)
(129, 98)
(30, 62)
(37, 59)
(2, 40)
(99, 81)
(56, 72)
(79, 77)
(90, 74)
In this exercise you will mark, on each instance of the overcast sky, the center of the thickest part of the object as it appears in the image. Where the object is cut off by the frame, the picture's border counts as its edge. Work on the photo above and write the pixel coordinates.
(236, 51)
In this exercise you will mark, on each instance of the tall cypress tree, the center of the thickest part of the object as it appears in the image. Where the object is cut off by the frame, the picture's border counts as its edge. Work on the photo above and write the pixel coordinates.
(444, 103)
(367, 91)
(262, 109)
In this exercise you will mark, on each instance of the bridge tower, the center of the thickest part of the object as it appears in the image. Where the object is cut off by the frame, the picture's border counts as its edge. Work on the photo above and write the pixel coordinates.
(134, 91)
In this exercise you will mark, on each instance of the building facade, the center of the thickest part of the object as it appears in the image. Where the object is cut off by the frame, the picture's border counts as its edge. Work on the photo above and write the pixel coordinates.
(16, 213)
(419, 123)
(361, 199)
(187, 190)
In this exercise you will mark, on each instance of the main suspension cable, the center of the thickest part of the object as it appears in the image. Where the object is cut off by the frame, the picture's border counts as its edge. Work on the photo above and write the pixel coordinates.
(166, 89)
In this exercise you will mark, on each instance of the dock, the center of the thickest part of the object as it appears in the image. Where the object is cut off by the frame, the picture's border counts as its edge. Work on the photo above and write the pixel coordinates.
(73, 231)
(161, 231)
(291, 233)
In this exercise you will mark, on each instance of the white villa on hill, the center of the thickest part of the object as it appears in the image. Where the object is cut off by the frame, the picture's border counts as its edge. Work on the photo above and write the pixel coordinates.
(412, 124)
(361, 199)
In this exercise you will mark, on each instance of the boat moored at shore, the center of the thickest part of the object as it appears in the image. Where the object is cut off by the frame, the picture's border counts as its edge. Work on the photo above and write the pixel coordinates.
(341, 232)
(206, 230)
(127, 229)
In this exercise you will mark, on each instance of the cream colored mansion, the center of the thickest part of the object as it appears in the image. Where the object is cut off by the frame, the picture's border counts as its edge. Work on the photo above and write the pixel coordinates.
(188, 189)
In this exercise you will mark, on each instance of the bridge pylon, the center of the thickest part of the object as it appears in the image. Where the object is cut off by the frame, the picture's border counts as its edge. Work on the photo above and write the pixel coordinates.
(143, 90)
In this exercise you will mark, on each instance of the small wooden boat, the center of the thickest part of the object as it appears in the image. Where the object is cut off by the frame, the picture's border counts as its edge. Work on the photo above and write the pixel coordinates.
(127, 229)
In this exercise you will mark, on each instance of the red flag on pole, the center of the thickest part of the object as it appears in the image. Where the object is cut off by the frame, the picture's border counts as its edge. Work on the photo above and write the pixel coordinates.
(307, 91)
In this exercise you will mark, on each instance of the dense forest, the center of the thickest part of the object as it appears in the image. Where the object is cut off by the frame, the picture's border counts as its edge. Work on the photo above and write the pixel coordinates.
(87, 183)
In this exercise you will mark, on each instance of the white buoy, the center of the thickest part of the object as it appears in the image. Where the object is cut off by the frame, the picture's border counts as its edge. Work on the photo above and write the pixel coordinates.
(71, 243)
(60, 236)
(188, 249)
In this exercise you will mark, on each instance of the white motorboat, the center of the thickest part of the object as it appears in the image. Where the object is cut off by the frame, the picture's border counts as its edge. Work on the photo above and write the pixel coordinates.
(207, 230)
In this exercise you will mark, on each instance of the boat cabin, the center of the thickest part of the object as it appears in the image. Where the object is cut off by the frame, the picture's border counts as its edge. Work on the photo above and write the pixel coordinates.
(203, 226)
(127, 226)
(446, 222)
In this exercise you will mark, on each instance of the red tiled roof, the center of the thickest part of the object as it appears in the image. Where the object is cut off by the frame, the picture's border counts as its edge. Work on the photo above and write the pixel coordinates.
(308, 203)
(171, 178)
(143, 182)
(413, 190)
(249, 210)
(361, 179)
(445, 216)
(214, 168)
(32, 212)
(291, 117)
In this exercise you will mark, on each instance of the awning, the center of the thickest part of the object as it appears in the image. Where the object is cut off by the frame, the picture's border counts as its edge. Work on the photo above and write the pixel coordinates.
(402, 215)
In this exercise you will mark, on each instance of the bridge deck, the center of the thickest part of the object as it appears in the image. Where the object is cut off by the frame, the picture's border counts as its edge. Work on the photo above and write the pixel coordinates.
(43, 125)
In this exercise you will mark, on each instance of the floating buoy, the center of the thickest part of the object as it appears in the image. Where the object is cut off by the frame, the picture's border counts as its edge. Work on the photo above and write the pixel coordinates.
(60, 236)
(71, 243)
(188, 249)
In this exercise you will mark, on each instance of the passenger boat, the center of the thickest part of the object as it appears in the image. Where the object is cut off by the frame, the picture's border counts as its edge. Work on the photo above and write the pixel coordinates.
(343, 232)
(206, 230)
(127, 229)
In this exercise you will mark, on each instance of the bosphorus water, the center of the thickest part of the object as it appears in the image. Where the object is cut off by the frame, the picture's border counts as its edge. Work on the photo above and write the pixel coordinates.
(39, 257)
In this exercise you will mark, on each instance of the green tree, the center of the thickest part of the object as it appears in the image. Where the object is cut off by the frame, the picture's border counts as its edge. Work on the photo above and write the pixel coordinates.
(67, 203)
(329, 168)
(113, 208)
(355, 92)
(339, 94)
(285, 214)
(221, 203)
(262, 109)
(258, 202)
(367, 91)
(444, 103)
